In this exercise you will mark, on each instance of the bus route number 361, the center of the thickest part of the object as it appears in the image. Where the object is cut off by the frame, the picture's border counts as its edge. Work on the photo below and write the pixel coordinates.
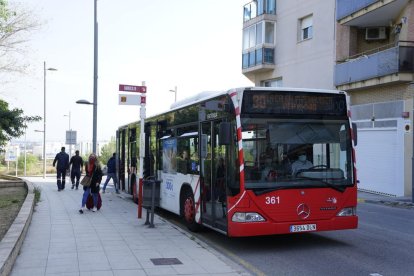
(271, 200)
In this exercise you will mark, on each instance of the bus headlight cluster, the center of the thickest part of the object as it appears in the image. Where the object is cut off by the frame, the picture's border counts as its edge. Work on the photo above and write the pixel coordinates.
(247, 217)
(346, 212)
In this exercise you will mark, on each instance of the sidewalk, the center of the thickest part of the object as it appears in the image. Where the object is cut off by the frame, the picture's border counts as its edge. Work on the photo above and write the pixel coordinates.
(403, 202)
(111, 241)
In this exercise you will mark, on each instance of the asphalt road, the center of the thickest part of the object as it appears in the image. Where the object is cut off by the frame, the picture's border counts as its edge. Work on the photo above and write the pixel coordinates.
(382, 245)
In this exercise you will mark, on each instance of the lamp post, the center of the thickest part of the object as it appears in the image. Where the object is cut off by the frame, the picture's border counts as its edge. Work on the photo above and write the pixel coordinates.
(44, 115)
(94, 143)
(70, 133)
(95, 77)
(25, 151)
(175, 92)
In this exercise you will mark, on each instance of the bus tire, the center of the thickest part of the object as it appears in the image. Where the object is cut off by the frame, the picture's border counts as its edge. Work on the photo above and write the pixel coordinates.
(189, 211)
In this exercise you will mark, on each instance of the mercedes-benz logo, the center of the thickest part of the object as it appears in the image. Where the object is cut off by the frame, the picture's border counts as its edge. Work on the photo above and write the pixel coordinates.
(303, 211)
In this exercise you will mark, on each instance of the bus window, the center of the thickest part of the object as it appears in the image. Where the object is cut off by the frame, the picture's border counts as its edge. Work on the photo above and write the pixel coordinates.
(187, 158)
(169, 154)
(280, 146)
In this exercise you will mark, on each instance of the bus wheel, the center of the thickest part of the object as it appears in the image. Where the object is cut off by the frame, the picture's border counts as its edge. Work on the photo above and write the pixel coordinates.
(189, 211)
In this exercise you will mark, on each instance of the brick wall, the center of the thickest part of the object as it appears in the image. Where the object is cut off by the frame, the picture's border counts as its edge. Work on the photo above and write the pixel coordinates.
(381, 94)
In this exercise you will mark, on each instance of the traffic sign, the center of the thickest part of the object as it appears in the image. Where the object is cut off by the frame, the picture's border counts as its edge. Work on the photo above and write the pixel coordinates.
(127, 99)
(132, 88)
(12, 154)
(70, 137)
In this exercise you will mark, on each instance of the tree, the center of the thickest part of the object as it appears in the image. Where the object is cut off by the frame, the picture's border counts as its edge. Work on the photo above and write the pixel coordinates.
(108, 150)
(12, 123)
(15, 26)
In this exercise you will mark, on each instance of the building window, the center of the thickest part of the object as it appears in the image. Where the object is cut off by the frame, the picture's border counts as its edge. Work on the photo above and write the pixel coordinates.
(270, 32)
(271, 6)
(259, 33)
(252, 36)
(260, 7)
(245, 39)
(255, 35)
(269, 56)
(306, 28)
(273, 83)
(257, 8)
(259, 56)
(245, 60)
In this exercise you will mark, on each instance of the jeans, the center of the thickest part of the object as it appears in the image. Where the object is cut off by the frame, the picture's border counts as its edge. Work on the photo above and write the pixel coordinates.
(114, 178)
(85, 197)
(73, 174)
(61, 173)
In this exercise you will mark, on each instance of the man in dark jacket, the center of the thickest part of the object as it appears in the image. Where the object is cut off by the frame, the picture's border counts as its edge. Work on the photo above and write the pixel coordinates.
(62, 160)
(77, 163)
(111, 173)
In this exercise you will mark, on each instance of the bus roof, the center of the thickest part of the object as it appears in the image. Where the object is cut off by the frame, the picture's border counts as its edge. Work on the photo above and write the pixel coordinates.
(205, 95)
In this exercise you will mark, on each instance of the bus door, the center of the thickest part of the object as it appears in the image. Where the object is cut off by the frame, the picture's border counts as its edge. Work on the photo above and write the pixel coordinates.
(214, 159)
(122, 159)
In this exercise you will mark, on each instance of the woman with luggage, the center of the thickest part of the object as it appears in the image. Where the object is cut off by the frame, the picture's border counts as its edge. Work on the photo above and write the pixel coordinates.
(94, 176)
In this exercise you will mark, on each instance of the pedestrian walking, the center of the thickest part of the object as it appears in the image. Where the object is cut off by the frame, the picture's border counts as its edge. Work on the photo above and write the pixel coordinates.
(94, 171)
(111, 173)
(77, 164)
(62, 160)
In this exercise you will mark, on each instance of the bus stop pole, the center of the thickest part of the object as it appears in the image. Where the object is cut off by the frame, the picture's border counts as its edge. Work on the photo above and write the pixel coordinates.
(141, 152)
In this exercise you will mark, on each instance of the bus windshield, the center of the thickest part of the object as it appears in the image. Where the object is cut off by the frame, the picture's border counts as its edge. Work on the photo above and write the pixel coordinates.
(291, 153)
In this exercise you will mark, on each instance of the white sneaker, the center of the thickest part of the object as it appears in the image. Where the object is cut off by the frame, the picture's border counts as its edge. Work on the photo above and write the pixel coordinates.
(94, 209)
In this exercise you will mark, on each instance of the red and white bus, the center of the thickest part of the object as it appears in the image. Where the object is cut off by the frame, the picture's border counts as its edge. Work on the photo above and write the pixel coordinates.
(250, 161)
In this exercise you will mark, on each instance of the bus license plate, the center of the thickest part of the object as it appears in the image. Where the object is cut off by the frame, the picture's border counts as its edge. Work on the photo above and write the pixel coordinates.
(302, 228)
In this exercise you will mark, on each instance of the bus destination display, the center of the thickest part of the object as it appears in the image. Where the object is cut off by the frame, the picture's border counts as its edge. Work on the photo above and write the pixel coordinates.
(285, 103)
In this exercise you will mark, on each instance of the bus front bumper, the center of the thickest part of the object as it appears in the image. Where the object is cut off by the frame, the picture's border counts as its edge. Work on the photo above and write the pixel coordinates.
(237, 229)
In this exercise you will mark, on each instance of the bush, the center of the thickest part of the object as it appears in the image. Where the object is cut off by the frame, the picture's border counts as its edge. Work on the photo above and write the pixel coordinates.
(31, 162)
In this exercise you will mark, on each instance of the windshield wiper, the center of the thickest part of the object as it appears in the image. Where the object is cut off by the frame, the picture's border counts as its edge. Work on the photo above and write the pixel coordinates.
(330, 185)
(265, 191)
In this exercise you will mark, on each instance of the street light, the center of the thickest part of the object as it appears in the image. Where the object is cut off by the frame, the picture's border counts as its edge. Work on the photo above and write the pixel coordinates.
(95, 77)
(70, 133)
(175, 92)
(44, 115)
(94, 143)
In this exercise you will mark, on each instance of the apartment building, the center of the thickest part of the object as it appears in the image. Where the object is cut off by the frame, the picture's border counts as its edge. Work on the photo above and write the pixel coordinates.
(289, 43)
(375, 65)
(364, 47)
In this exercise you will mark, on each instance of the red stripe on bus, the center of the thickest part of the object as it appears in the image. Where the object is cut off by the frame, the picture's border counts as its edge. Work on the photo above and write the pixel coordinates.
(237, 110)
(232, 94)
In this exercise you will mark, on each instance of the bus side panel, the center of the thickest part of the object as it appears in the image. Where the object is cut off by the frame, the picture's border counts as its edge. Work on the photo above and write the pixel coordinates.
(170, 189)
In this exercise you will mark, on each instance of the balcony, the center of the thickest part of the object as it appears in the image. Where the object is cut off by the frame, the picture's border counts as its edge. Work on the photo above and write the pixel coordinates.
(366, 13)
(383, 65)
(257, 8)
(258, 60)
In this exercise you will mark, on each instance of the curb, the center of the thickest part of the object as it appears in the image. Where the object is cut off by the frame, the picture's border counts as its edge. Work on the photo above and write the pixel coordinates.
(407, 205)
(12, 242)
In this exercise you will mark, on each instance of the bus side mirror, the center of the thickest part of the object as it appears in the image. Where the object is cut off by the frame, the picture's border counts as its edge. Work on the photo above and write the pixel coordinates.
(224, 134)
(355, 133)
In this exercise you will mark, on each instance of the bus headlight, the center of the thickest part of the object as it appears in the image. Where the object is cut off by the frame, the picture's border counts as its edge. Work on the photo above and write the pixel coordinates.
(346, 212)
(247, 217)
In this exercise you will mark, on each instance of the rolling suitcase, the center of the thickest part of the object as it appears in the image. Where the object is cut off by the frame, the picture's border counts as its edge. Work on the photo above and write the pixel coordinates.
(89, 202)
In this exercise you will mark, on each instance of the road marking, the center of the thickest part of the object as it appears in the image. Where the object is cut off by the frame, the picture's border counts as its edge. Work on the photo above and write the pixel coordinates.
(375, 274)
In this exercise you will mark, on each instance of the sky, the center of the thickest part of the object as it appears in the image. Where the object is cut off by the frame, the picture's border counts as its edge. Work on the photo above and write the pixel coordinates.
(194, 45)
